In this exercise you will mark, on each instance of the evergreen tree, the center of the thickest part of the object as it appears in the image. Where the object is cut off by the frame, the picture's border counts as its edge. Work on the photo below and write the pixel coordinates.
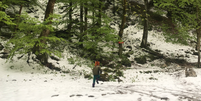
(186, 15)
(43, 57)
(4, 17)
(124, 15)
(33, 36)
(37, 37)
(95, 28)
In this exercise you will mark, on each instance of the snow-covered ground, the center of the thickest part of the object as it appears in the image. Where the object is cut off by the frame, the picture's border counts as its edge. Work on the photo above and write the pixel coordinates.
(21, 82)
(29, 83)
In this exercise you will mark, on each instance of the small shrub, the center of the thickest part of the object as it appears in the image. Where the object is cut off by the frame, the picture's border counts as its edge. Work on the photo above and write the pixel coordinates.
(133, 80)
(152, 65)
(147, 72)
(141, 60)
(11, 67)
(126, 62)
(119, 73)
(111, 78)
(152, 78)
(67, 71)
(104, 77)
(71, 60)
(107, 70)
(89, 76)
(63, 75)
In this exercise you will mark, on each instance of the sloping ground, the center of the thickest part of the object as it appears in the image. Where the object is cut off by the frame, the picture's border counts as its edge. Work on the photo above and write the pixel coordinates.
(26, 85)
(148, 82)
(155, 20)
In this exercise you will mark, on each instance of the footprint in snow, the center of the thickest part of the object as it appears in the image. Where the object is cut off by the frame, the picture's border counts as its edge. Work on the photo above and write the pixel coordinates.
(55, 95)
(79, 95)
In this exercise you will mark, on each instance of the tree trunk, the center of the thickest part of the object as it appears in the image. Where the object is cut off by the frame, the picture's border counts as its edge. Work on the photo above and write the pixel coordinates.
(70, 16)
(18, 19)
(43, 58)
(114, 8)
(93, 14)
(99, 14)
(198, 29)
(122, 27)
(81, 17)
(145, 31)
(81, 25)
(20, 11)
(198, 46)
(85, 17)
(49, 9)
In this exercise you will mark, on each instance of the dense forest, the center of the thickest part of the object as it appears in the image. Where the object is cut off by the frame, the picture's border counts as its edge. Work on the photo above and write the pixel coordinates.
(84, 28)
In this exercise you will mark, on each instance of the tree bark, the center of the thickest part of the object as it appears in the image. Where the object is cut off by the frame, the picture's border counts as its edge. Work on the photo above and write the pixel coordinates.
(49, 9)
(198, 46)
(18, 19)
(99, 14)
(70, 16)
(85, 16)
(81, 24)
(114, 8)
(81, 17)
(122, 27)
(43, 58)
(145, 31)
(198, 29)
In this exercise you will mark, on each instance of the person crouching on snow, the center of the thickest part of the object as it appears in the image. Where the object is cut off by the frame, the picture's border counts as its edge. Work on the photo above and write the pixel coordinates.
(96, 72)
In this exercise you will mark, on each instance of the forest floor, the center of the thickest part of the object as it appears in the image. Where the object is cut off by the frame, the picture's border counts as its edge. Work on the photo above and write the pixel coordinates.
(153, 81)
(20, 82)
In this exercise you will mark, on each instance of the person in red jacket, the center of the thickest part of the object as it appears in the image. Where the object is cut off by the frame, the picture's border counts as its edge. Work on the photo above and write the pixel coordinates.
(96, 72)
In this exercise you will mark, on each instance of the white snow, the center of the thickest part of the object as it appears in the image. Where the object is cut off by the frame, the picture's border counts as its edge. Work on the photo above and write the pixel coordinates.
(21, 82)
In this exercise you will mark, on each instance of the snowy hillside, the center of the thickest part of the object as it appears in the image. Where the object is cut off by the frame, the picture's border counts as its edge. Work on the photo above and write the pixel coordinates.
(152, 81)
(21, 82)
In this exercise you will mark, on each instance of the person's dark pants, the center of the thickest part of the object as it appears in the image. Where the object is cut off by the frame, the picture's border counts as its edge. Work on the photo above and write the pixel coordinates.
(96, 77)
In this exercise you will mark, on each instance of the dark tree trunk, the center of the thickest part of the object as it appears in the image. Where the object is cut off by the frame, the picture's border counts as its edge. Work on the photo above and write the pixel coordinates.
(81, 17)
(114, 8)
(70, 16)
(198, 46)
(99, 14)
(43, 58)
(198, 29)
(18, 19)
(145, 31)
(93, 14)
(85, 17)
(49, 9)
(122, 27)
(81, 25)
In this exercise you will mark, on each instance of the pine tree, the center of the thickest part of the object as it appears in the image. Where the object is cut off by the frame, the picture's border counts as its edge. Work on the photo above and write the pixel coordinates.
(43, 57)
(186, 15)
(124, 15)
(95, 30)
(33, 36)
(4, 17)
